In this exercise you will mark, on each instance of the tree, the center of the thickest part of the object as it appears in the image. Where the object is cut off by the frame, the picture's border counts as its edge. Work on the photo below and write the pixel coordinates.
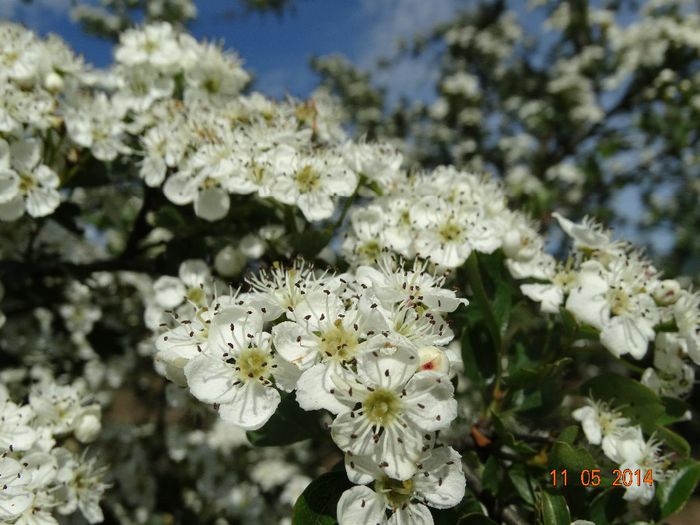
(249, 316)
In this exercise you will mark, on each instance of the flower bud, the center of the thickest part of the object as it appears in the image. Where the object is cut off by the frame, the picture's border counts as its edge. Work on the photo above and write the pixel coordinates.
(667, 292)
(229, 262)
(53, 82)
(433, 359)
(87, 427)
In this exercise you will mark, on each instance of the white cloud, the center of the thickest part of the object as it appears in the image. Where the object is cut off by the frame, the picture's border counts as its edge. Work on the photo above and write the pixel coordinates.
(390, 21)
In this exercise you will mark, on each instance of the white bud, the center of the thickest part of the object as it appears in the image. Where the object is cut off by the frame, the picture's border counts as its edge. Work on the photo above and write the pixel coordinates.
(433, 359)
(87, 427)
(667, 292)
(252, 246)
(229, 262)
(53, 82)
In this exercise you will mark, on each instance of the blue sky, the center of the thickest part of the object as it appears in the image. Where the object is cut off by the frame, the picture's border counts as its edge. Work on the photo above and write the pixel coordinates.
(277, 49)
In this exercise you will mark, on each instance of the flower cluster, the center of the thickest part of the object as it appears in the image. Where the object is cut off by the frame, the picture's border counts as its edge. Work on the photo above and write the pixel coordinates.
(444, 216)
(368, 347)
(608, 286)
(175, 106)
(624, 444)
(35, 75)
(40, 476)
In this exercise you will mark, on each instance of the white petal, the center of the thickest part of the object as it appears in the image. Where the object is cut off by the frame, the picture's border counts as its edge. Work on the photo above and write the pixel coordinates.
(389, 368)
(251, 407)
(169, 291)
(212, 204)
(9, 185)
(42, 201)
(313, 389)
(627, 335)
(211, 379)
(360, 506)
(25, 154)
(361, 470)
(180, 188)
(586, 300)
(194, 272)
(316, 206)
(353, 434)
(412, 514)
(549, 295)
(445, 484)
(12, 209)
(294, 344)
(429, 401)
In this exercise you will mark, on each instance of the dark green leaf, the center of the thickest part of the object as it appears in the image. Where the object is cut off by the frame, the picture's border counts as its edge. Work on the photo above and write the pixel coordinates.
(520, 479)
(317, 504)
(309, 243)
(633, 399)
(573, 459)
(476, 519)
(674, 440)
(553, 509)
(569, 434)
(287, 425)
(673, 492)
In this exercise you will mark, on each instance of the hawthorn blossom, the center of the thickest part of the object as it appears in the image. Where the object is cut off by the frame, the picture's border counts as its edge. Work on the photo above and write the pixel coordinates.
(389, 406)
(237, 369)
(438, 482)
(26, 183)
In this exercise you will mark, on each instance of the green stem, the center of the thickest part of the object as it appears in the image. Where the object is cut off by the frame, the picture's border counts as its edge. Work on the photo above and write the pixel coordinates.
(482, 301)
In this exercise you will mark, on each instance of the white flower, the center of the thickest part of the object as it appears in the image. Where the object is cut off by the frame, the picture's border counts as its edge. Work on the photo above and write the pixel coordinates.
(16, 432)
(589, 235)
(633, 453)
(15, 496)
(601, 425)
(438, 483)
(312, 182)
(389, 408)
(325, 336)
(192, 285)
(236, 371)
(81, 485)
(609, 301)
(155, 45)
(214, 75)
(25, 183)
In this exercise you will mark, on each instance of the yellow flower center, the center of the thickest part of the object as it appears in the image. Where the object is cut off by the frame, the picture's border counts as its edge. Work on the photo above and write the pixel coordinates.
(396, 492)
(449, 231)
(307, 179)
(338, 343)
(382, 406)
(253, 363)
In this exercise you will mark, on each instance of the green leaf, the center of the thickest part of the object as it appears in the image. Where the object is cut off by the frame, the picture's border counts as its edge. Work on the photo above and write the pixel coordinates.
(531, 376)
(476, 519)
(630, 397)
(573, 459)
(309, 243)
(317, 504)
(490, 476)
(673, 492)
(519, 478)
(675, 410)
(606, 506)
(553, 509)
(287, 425)
(674, 440)
(569, 434)
(479, 366)
(443, 516)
